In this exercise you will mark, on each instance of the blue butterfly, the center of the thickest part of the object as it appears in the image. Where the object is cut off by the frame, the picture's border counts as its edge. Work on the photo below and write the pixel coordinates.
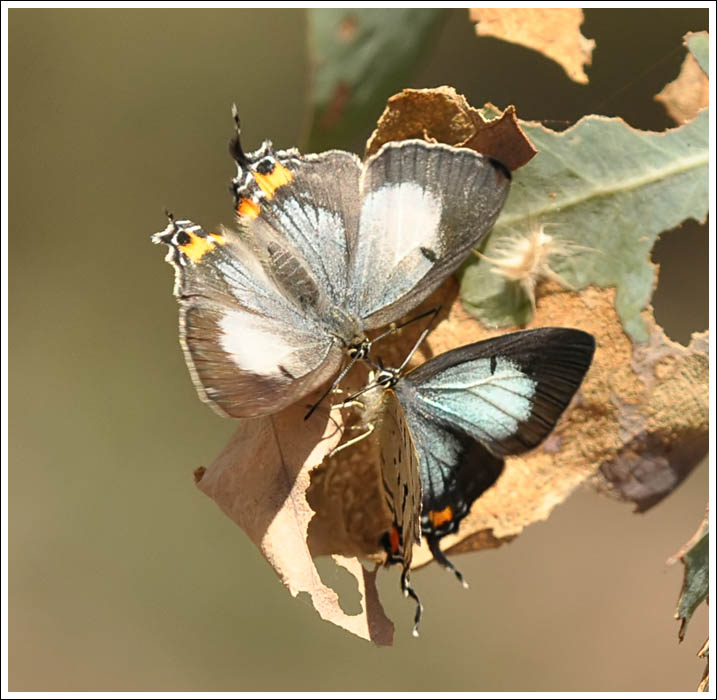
(445, 427)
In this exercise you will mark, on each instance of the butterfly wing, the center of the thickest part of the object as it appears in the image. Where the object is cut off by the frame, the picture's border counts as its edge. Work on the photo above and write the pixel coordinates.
(455, 471)
(400, 477)
(469, 407)
(250, 347)
(507, 392)
(402, 489)
(424, 206)
(305, 206)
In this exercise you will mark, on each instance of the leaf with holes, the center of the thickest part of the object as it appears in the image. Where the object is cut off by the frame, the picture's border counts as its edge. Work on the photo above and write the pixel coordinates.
(604, 192)
(555, 32)
(260, 480)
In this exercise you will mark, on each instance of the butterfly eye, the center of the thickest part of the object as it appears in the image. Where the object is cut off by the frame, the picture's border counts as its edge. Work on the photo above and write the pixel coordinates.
(387, 378)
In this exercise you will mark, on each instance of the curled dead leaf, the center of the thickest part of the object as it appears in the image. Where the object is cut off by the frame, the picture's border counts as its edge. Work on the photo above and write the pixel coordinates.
(694, 555)
(554, 32)
(442, 115)
(260, 481)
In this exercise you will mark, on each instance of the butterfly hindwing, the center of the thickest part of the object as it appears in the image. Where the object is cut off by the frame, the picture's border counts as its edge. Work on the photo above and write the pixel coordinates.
(400, 478)
(250, 350)
(455, 470)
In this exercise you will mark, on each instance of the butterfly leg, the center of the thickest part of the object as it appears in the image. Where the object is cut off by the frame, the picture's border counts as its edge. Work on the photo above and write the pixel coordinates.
(333, 386)
(369, 429)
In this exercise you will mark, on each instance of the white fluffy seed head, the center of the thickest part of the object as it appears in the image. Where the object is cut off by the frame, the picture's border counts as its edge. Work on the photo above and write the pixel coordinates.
(525, 259)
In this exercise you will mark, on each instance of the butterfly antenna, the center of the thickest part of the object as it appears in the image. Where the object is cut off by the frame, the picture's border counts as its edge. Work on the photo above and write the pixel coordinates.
(334, 384)
(410, 593)
(441, 559)
(421, 338)
(368, 387)
(394, 328)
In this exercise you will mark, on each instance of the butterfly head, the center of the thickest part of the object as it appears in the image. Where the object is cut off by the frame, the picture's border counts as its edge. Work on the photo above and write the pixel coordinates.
(359, 349)
(387, 377)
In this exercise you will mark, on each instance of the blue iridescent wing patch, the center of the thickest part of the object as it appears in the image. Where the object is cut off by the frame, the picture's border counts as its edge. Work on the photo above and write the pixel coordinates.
(506, 393)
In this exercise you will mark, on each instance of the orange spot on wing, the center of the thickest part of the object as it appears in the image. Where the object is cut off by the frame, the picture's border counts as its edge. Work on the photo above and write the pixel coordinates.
(439, 517)
(197, 248)
(394, 540)
(272, 181)
(218, 239)
(248, 208)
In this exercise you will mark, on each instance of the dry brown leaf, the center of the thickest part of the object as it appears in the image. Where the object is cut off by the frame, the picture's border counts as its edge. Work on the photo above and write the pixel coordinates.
(553, 32)
(687, 94)
(442, 115)
(651, 463)
(260, 480)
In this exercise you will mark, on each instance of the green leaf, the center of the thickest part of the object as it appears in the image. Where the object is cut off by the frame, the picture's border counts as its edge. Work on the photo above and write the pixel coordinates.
(695, 585)
(699, 45)
(604, 191)
(361, 57)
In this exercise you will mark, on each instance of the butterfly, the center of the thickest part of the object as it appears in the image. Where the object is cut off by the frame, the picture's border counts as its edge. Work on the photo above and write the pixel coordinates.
(445, 428)
(327, 248)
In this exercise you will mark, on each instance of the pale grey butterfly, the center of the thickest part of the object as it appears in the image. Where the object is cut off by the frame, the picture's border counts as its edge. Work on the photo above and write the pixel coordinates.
(327, 248)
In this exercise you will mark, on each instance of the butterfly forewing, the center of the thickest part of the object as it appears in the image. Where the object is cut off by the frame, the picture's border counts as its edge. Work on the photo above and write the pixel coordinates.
(307, 207)
(506, 392)
(424, 206)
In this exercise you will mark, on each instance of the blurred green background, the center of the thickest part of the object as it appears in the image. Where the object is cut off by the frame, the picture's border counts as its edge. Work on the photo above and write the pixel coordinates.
(122, 575)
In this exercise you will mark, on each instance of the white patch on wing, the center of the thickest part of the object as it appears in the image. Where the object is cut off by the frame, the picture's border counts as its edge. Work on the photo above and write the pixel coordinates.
(255, 346)
(495, 402)
(399, 219)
